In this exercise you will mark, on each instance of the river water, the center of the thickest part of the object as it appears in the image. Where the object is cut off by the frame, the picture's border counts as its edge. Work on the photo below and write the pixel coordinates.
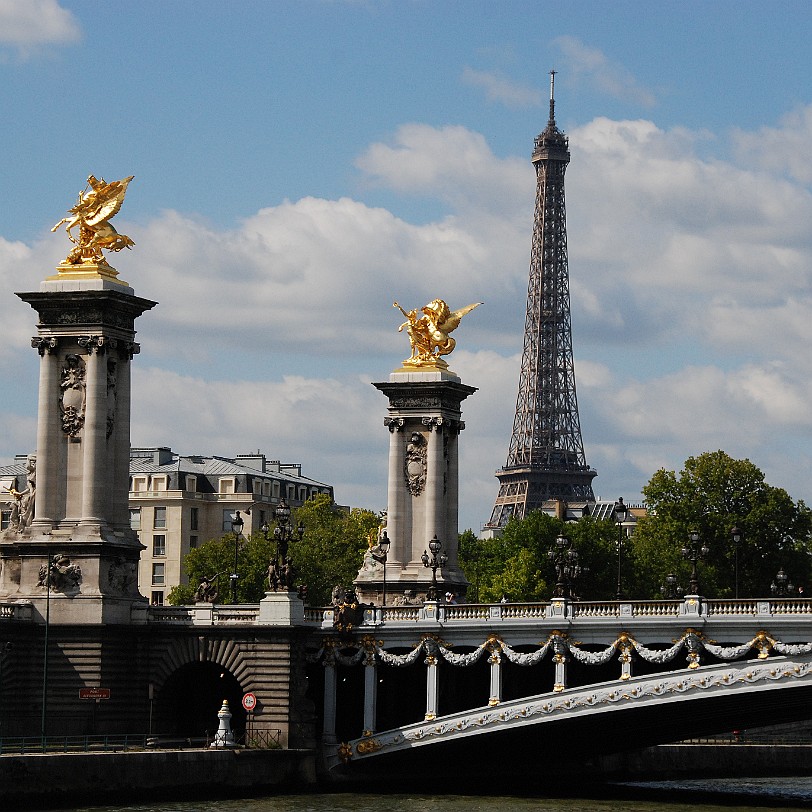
(733, 795)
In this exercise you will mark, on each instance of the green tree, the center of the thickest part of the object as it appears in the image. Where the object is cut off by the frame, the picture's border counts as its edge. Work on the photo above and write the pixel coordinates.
(216, 558)
(332, 550)
(713, 494)
(517, 564)
(330, 553)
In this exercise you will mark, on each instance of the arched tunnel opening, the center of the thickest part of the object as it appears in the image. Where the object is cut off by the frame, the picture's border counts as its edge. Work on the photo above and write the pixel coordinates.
(187, 704)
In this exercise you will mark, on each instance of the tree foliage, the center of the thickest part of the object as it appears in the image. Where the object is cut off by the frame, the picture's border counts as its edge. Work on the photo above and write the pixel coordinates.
(330, 553)
(517, 565)
(713, 494)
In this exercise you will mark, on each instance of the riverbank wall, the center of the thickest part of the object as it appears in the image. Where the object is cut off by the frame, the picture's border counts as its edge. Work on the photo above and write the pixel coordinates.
(36, 781)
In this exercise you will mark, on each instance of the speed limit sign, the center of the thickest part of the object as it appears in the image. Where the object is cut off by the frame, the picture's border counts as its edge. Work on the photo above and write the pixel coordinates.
(249, 701)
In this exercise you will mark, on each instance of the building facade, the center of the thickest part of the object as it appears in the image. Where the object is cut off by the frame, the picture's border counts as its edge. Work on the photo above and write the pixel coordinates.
(178, 502)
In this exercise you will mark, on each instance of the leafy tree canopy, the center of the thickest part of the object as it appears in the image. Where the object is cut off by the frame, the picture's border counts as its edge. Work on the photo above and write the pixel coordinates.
(713, 494)
(330, 553)
(517, 565)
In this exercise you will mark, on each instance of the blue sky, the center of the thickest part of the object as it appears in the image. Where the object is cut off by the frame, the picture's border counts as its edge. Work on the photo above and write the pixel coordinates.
(299, 165)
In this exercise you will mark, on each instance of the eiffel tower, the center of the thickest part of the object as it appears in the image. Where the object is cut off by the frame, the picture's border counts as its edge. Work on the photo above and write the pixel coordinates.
(546, 461)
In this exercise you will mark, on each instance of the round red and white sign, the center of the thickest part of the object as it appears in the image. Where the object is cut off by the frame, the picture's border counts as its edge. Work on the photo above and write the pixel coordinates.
(249, 701)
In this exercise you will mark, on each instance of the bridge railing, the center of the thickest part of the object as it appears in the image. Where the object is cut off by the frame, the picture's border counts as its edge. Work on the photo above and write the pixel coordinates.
(467, 614)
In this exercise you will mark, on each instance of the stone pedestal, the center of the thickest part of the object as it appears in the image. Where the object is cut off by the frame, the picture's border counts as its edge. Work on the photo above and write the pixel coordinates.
(424, 422)
(281, 609)
(73, 538)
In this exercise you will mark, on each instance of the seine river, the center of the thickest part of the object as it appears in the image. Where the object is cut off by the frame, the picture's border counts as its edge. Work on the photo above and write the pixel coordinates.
(698, 796)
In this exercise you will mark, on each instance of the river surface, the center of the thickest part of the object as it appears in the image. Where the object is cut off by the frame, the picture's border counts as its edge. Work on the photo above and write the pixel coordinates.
(732, 795)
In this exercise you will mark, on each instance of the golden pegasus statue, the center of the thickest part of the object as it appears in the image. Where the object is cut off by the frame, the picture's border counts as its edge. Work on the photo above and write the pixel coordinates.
(92, 213)
(428, 333)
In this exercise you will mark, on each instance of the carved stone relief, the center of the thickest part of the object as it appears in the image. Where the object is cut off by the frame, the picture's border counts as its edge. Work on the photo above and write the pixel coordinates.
(121, 576)
(72, 387)
(112, 380)
(415, 464)
(64, 576)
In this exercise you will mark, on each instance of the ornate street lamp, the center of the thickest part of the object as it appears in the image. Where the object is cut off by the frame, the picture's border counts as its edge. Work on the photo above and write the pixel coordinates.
(693, 552)
(737, 536)
(237, 524)
(280, 571)
(436, 561)
(567, 568)
(782, 586)
(671, 589)
(381, 557)
(621, 512)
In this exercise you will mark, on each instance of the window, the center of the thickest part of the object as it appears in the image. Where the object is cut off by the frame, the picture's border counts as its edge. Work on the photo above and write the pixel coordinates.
(5, 518)
(159, 546)
(135, 518)
(139, 484)
(157, 598)
(194, 518)
(257, 486)
(227, 486)
(266, 488)
(228, 515)
(192, 542)
(158, 574)
(160, 517)
(276, 489)
(159, 483)
(191, 483)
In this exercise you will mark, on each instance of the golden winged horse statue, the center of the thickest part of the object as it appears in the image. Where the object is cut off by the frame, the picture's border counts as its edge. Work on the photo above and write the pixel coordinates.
(429, 333)
(96, 206)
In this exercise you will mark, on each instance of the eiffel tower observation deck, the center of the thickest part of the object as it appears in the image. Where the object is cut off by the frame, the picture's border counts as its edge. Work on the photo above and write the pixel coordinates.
(546, 461)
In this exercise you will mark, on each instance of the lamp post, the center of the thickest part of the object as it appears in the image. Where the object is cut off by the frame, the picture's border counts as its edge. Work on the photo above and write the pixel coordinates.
(44, 719)
(621, 512)
(283, 534)
(670, 588)
(436, 561)
(381, 557)
(782, 586)
(693, 552)
(737, 536)
(237, 523)
(567, 568)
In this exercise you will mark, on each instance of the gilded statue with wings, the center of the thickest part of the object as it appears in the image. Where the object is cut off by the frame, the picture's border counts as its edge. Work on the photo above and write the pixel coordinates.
(98, 203)
(428, 333)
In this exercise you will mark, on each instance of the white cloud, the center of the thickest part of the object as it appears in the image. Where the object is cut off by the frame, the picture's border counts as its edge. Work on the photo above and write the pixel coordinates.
(502, 90)
(786, 148)
(606, 76)
(691, 304)
(27, 23)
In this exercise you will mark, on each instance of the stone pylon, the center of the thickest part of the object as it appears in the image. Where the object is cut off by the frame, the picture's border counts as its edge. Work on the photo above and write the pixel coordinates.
(70, 533)
(424, 422)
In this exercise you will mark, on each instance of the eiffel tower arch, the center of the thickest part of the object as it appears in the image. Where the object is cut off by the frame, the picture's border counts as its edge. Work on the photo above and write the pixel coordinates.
(546, 461)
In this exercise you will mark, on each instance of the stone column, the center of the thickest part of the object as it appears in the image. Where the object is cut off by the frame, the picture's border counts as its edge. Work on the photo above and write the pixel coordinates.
(329, 731)
(495, 661)
(94, 482)
(431, 687)
(48, 432)
(370, 693)
(435, 481)
(120, 507)
(394, 514)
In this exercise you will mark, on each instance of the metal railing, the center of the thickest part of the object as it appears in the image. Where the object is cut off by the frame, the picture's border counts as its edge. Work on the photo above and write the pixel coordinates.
(72, 744)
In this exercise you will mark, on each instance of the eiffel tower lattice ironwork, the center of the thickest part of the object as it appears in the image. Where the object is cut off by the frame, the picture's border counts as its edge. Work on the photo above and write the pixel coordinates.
(546, 456)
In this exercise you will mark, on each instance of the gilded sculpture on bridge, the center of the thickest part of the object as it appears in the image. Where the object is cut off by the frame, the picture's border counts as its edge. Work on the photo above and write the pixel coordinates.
(98, 203)
(429, 332)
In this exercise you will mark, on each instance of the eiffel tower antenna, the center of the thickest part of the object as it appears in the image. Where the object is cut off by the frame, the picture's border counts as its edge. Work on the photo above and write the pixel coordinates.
(546, 461)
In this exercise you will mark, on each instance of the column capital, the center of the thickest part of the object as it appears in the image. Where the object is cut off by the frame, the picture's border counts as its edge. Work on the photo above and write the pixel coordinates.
(96, 344)
(43, 345)
(394, 423)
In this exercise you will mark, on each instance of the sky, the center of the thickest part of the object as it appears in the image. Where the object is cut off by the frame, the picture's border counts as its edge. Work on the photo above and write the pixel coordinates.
(300, 165)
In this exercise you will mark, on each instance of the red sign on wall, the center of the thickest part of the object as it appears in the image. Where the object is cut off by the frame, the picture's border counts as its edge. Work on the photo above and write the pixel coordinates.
(94, 693)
